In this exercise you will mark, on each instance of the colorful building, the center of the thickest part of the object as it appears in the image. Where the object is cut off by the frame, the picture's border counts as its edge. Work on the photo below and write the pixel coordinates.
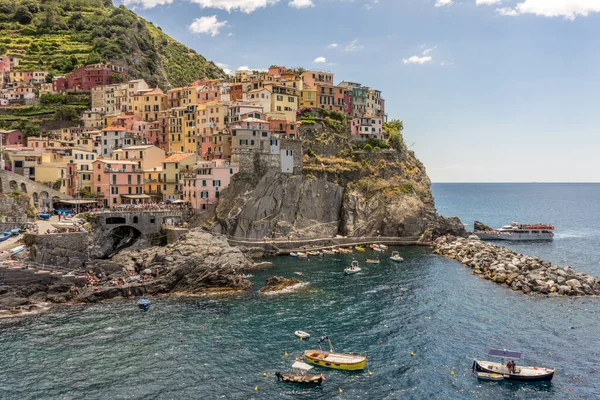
(204, 182)
(146, 156)
(118, 182)
(90, 76)
(172, 169)
(148, 104)
(367, 127)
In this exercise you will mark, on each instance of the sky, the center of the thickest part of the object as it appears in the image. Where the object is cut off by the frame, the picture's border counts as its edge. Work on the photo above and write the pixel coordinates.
(488, 90)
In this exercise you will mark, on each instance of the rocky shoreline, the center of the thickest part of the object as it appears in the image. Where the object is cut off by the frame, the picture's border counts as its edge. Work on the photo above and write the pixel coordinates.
(516, 271)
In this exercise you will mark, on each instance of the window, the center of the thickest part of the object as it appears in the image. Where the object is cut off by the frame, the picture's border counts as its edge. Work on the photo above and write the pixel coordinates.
(203, 183)
(264, 134)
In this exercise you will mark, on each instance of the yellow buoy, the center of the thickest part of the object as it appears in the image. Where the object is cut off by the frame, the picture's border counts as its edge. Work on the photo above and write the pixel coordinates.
(412, 353)
(296, 358)
(255, 387)
(370, 373)
(451, 372)
(340, 389)
(300, 339)
(264, 374)
(285, 354)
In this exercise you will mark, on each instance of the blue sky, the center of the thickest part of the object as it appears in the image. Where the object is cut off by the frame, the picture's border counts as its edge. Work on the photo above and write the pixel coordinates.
(501, 91)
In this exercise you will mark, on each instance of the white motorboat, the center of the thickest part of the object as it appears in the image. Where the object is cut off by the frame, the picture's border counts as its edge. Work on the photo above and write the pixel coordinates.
(330, 252)
(490, 370)
(64, 225)
(372, 261)
(518, 232)
(352, 269)
(302, 334)
(378, 249)
(383, 246)
(396, 257)
(302, 255)
(294, 254)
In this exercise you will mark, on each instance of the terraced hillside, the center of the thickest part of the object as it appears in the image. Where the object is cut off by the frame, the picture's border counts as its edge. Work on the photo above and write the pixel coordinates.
(59, 35)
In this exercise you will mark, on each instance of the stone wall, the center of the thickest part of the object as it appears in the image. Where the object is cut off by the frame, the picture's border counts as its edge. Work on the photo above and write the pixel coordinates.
(11, 182)
(63, 250)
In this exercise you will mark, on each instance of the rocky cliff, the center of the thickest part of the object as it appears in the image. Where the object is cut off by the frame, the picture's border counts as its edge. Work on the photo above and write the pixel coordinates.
(350, 189)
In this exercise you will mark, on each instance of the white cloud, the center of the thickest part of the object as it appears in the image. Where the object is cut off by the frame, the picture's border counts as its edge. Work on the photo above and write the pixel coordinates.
(443, 3)
(507, 12)
(424, 58)
(225, 68)
(207, 25)
(246, 68)
(247, 6)
(569, 9)
(147, 3)
(301, 3)
(486, 2)
(320, 60)
(332, 46)
(354, 46)
(417, 60)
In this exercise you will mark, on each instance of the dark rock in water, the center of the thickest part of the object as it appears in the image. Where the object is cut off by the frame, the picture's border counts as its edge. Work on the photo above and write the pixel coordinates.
(481, 227)
(277, 283)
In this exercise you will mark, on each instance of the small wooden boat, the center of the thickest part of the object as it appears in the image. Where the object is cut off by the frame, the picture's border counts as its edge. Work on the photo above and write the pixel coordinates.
(314, 253)
(378, 249)
(372, 261)
(294, 254)
(396, 257)
(302, 334)
(64, 225)
(44, 216)
(344, 250)
(15, 231)
(359, 249)
(5, 236)
(513, 374)
(335, 251)
(143, 303)
(352, 269)
(302, 255)
(383, 247)
(330, 252)
(300, 375)
(330, 359)
(489, 377)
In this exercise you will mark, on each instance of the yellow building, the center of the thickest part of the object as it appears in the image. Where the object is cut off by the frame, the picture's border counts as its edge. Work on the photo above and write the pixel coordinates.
(175, 130)
(189, 129)
(148, 104)
(26, 162)
(153, 183)
(52, 174)
(308, 97)
(146, 156)
(171, 173)
(284, 100)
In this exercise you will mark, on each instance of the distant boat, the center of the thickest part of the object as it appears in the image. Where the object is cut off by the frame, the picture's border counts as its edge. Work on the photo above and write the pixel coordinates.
(344, 250)
(143, 303)
(44, 216)
(383, 246)
(15, 231)
(359, 249)
(518, 232)
(372, 261)
(302, 334)
(488, 370)
(352, 269)
(64, 225)
(300, 375)
(5, 236)
(330, 252)
(294, 254)
(302, 255)
(396, 257)
(330, 359)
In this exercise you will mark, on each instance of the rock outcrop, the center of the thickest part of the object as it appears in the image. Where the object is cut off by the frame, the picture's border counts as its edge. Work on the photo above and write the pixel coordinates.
(481, 227)
(517, 271)
(278, 284)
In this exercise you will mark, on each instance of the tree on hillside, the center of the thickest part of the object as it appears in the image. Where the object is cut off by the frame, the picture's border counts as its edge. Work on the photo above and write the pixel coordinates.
(23, 15)
(393, 130)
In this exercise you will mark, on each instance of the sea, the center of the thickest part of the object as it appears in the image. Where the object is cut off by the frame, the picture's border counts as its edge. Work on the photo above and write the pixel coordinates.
(421, 322)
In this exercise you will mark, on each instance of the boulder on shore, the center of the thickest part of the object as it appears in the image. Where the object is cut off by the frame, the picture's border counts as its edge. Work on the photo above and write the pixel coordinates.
(279, 283)
(519, 272)
(481, 227)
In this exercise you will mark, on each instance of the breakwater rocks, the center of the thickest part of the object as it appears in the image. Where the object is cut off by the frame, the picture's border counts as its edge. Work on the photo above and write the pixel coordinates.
(516, 271)
(279, 284)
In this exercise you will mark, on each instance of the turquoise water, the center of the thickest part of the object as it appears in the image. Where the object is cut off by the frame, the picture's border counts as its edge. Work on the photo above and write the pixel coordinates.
(427, 305)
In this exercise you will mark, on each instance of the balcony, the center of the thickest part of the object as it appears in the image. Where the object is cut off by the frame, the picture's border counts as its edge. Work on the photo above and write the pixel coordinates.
(118, 170)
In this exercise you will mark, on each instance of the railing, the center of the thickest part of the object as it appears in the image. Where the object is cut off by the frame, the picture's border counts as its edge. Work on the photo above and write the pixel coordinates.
(138, 171)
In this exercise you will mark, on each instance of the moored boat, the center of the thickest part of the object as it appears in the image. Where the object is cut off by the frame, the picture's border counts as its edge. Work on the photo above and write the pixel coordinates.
(143, 303)
(302, 255)
(44, 216)
(352, 269)
(510, 372)
(378, 249)
(329, 252)
(372, 261)
(518, 232)
(64, 225)
(396, 257)
(300, 375)
(294, 254)
(5, 236)
(302, 334)
(330, 359)
(359, 249)
(383, 247)
(15, 231)
(344, 250)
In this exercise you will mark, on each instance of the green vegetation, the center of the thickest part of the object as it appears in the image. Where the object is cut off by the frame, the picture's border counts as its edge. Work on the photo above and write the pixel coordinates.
(393, 130)
(60, 35)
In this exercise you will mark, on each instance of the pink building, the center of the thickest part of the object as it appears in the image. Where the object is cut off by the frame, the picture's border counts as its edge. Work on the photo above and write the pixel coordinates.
(12, 137)
(5, 64)
(202, 185)
(367, 127)
(118, 182)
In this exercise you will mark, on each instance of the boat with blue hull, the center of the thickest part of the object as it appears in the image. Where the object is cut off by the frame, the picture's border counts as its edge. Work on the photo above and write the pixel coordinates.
(497, 371)
(144, 303)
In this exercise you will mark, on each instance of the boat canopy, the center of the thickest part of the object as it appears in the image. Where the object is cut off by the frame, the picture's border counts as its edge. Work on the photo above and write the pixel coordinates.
(505, 353)
(302, 366)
